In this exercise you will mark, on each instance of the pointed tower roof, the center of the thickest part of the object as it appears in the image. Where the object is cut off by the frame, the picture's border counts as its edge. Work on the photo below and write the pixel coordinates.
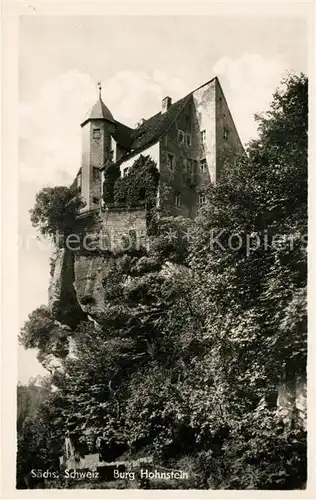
(99, 111)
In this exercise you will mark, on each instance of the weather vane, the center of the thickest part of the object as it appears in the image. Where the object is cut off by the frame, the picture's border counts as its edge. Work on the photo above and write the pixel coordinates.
(100, 88)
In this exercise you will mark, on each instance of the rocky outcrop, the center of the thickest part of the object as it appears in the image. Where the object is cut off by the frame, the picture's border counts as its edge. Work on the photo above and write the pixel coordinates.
(54, 289)
(78, 282)
(90, 272)
(78, 275)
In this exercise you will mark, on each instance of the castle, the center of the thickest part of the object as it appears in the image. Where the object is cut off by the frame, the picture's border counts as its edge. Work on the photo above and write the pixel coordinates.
(190, 139)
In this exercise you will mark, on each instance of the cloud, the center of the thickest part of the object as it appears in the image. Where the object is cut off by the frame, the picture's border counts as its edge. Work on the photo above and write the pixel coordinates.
(50, 133)
(248, 83)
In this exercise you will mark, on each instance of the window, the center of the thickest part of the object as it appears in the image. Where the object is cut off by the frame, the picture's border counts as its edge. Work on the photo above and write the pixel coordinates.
(170, 160)
(189, 166)
(125, 171)
(203, 165)
(96, 133)
(188, 139)
(177, 200)
(202, 199)
(95, 200)
(194, 166)
(203, 135)
(185, 164)
(225, 134)
(95, 174)
(181, 136)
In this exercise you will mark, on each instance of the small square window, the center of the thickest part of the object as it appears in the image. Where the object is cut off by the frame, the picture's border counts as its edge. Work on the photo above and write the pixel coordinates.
(170, 160)
(203, 165)
(203, 136)
(225, 134)
(202, 199)
(177, 200)
(181, 136)
(96, 174)
(96, 133)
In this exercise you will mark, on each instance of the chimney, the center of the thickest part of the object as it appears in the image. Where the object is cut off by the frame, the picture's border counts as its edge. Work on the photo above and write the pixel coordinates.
(166, 103)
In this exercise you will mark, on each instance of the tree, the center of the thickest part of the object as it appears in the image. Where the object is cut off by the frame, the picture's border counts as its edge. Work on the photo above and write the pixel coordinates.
(249, 252)
(40, 441)
(55, 210)
(41, 331)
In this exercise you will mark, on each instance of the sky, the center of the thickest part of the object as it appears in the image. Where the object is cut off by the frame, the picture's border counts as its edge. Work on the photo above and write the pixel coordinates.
(139, 60)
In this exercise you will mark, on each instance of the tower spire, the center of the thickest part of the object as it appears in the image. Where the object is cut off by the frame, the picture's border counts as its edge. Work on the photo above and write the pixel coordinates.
(100, 89)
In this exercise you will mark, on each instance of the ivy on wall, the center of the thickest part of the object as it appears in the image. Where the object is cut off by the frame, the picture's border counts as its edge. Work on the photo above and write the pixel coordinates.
(138, 187)
(111, 174)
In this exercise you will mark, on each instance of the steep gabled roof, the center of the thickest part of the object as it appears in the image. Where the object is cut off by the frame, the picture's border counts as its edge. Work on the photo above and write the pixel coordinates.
(123, 135)
(156, 126)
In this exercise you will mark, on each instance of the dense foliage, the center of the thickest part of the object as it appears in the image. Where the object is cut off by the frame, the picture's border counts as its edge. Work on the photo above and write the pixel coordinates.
(139, 186)
(111, 174)
(198, 333)
(55, 210)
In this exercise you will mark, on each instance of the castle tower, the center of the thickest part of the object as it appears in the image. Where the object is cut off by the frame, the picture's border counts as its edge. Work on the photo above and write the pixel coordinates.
(96, 150)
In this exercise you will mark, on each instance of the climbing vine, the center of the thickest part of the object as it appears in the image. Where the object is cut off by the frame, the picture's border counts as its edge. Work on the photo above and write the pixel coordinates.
(139, 186)
(111, 174)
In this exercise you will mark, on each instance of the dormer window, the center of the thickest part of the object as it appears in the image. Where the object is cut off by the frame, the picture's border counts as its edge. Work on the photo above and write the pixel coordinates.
(125, 171)
(96, 133)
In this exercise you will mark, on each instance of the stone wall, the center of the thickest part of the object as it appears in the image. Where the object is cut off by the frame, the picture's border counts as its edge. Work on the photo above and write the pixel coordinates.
(228, 144)
(205, 111)
(180, 178)
(80, 271)
(118, 223)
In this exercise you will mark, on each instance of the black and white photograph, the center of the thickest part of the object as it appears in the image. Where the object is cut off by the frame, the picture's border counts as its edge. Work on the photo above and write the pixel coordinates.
(162, 250)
